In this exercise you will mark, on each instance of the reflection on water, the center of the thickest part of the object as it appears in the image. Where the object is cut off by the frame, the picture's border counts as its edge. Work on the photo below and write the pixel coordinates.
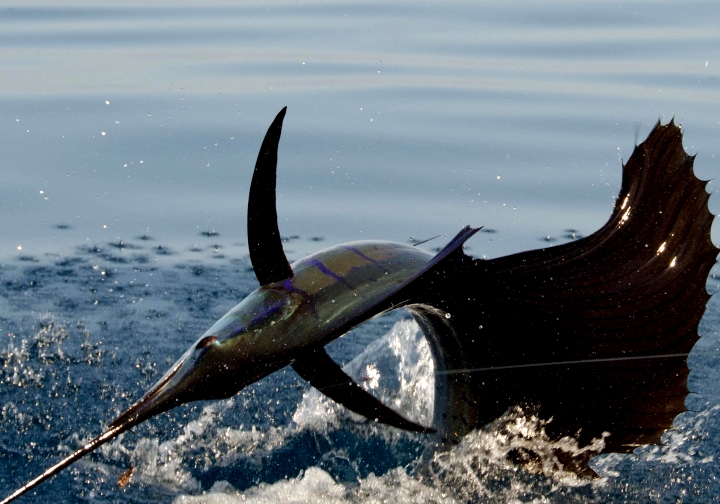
(128, 135)
(404, 119)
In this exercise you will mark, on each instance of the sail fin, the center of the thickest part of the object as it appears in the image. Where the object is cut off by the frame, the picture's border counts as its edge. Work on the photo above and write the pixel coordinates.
(594, 334)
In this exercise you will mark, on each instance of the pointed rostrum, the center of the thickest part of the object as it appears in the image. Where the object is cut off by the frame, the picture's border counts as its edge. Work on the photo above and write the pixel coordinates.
(266, 250)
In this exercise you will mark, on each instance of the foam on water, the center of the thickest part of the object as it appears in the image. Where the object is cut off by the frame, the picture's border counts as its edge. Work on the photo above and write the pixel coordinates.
(317, 486)
(480, 467)
(79, 347)
(398, 368)
(476, 470)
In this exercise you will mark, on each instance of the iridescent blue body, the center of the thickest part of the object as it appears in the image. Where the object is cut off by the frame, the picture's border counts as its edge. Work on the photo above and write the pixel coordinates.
(329, 293)
(328, 289)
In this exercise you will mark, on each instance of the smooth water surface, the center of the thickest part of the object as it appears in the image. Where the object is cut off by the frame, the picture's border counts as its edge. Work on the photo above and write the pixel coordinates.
(128, 135)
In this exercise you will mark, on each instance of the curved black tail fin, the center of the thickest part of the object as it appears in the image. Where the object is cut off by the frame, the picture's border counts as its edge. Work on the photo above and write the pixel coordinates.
(266, 250)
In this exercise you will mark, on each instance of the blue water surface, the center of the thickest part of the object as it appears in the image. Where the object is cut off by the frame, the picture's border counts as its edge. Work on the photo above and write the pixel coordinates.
(128, 134)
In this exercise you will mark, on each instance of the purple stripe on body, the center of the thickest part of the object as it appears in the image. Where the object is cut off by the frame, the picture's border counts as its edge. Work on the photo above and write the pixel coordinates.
(266, 312)
(319, 265)
(289, 287)
(358, 253)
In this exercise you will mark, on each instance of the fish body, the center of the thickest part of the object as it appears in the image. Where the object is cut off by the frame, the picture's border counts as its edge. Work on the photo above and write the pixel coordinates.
(592, 335)
(328, 291)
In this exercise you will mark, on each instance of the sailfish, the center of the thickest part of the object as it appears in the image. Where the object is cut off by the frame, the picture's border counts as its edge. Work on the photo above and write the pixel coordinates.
(593, 334)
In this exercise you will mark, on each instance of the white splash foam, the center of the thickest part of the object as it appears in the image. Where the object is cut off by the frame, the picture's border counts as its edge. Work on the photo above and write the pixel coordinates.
(25, 361)
(397, 367)
(398, 486)
(161, 463)
(316, 412)
(314, 486)
(480, 467)
(680, 446)
(318, 487)
(477, 470)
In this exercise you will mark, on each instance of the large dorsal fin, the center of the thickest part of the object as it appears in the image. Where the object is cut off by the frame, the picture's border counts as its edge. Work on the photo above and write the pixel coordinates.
(595, 333)
(266, 250)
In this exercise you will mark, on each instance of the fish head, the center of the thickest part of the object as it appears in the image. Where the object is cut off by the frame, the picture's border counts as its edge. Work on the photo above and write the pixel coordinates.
(257, 337)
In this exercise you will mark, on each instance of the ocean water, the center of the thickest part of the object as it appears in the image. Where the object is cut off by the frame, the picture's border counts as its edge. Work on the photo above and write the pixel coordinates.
(128, 134)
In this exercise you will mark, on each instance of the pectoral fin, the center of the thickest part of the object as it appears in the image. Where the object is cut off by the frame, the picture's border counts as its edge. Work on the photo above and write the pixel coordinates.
(327, 376)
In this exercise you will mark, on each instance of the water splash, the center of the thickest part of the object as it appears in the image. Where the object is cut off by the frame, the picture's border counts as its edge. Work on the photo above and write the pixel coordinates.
(399, 369)
(485, 464)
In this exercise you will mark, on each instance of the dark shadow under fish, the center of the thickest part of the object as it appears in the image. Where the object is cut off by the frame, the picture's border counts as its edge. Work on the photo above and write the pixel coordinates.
(593, 334)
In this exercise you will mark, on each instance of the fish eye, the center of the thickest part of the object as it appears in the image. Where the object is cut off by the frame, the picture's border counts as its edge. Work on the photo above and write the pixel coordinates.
(206, 341)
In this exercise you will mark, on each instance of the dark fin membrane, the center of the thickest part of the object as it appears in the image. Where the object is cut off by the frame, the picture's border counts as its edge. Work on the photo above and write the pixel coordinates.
(595, 333)
(323, 373)
(266, 251)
